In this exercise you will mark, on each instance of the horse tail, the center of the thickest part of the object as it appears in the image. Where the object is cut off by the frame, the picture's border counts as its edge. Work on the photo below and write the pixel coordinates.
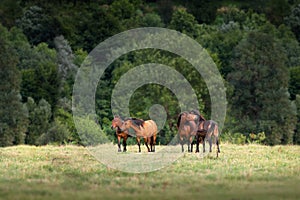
(179, 120)
(211, 127)
(214, 130)
(151, 127)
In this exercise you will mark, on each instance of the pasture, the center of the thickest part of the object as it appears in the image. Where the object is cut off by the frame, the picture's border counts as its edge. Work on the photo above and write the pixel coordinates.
(70, 172)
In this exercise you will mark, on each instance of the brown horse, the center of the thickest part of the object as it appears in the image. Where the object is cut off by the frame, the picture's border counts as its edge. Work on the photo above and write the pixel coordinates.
(146, 129)
(187, 129)
(116, 123)
(206, 129)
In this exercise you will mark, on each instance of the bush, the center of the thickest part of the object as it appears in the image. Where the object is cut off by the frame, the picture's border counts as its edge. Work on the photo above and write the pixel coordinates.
(234, 138)
(90, 132)
(57, 134)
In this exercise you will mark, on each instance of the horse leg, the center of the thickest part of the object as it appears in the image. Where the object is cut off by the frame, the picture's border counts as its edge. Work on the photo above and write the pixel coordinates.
(188, 144)
(203, 144)
(191, 143)
(182, 143)
(124, 144)
(153, 142)
(146, 143)
(197, 143)
(119, 143)
(218, 147)
(210, 144)
(138, 139)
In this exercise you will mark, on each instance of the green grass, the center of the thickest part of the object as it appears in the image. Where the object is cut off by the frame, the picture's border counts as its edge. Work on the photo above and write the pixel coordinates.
(70, 172)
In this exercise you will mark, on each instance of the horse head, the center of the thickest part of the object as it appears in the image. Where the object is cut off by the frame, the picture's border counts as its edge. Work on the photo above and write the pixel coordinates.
(116, 122)
(182, 118)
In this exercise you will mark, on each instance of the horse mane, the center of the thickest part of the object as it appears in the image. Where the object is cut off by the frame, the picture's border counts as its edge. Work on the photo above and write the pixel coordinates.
(201, 118)
(136, 121)
(196, 112)
(179, 118)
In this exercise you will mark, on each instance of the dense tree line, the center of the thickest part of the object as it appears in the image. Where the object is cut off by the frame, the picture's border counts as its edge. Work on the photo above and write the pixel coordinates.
(255, 46)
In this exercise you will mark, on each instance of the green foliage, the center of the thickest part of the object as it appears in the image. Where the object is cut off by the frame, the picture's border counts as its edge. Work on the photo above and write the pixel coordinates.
(165, 10)
(184, 22)
(276, 10)
(151, 20)
(64, 117)
(58, 133)
(294, 85)
(256, 138)
(147, 95)
(260, 80)
(203, 10)
(39, 120)
(254, 51)
(42, 80)
(293, 20)
(122, 9)
(13, 120)
(233, 138)
(38, 26)
(241, 138)
(88, 31)
(9, 12)
(89, 132)
(297, 131)
(290, 44)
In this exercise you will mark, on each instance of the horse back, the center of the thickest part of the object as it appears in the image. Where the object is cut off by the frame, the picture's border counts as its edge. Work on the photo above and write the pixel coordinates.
(212, 127)
(150, 126)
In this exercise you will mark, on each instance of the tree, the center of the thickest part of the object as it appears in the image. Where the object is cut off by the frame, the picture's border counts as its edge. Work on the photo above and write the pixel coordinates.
(203, 10)
(165, 10)
(151, 20)
(12, 113)
(38, 26)
(294, 85)
(66, 68)
(297, 130)
(39, 120)
(41, 78)
(184, 22)
(276, 10)
(58, 133)
(293, 20)
(260, 78)
(9, 12)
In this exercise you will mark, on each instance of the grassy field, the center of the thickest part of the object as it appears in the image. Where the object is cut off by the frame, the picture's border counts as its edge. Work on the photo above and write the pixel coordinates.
(70, 172)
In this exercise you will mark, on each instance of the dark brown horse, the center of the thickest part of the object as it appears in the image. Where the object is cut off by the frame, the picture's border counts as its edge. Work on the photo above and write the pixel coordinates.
(206, 129)
(116, 123)
(145, 129)
(187, 130)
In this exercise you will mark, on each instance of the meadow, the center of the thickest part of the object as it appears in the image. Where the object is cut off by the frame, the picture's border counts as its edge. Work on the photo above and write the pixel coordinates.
(70, 172)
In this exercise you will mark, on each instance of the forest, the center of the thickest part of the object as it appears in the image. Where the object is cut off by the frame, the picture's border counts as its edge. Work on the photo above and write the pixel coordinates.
(254, 44)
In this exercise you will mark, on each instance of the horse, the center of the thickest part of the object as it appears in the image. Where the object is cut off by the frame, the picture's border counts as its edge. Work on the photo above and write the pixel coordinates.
(206, 129)
(116, 123)
(187, 129)
(146, 129)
